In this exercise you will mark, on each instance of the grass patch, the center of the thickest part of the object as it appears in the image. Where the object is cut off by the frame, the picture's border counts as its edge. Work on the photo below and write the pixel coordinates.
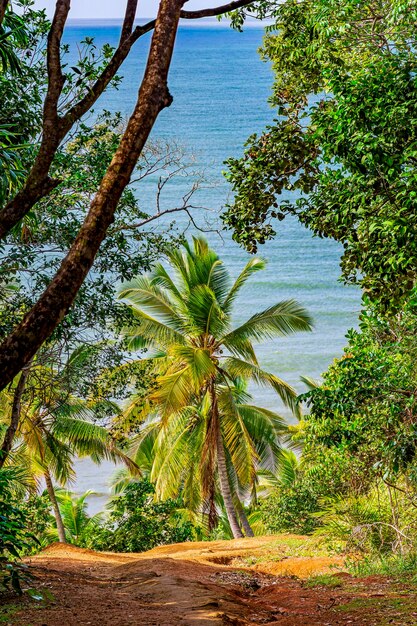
(287, 546)
(387, 610)
(323, 580)
(7, 612)
(394, 566)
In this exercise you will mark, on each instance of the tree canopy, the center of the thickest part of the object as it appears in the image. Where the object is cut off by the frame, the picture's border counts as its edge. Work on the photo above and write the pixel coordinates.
(341, 155)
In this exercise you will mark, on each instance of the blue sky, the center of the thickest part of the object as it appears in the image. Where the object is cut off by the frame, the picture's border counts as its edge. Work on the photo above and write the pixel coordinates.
(115, 8)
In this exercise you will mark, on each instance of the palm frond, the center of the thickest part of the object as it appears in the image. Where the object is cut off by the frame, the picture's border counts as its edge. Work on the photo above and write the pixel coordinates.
(310, 383)
(252, 266)
(237, 368)
(198, 361)
(265, 429)
(174, 391)
(205, 315)
(151, 333)
(143, 294)
(283, 318)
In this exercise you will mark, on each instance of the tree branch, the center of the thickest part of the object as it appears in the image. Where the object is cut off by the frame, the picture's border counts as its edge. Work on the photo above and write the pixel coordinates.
(225, 8)
(53, 63)
(55, 128)
(129, 20)
(81, 107)
(38, 184)
(54, 303)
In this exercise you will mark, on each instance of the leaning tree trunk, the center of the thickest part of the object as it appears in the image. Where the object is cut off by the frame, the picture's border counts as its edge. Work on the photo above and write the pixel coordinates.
(57, 512)
(225, 488)
(51, 307)
(244, 520)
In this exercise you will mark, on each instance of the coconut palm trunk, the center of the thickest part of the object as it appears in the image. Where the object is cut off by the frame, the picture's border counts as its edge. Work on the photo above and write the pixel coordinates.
(225, 489)
(244, 520)
(15, 417)
(57, 512)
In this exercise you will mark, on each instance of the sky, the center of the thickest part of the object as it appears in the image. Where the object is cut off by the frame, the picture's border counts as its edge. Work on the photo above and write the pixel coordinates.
(115, 8)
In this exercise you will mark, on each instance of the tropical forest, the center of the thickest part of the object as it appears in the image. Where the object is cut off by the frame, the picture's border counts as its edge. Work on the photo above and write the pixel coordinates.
(208, 312)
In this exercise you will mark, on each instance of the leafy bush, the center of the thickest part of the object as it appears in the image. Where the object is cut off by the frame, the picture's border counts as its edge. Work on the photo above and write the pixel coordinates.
(38, 521)
(298, 487)
(137, 523)
(291, 509)
(14, 537)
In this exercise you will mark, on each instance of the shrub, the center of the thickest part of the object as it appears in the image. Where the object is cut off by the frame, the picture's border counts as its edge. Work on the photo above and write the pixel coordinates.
(291, 509)
(136, 523)
(14, 537)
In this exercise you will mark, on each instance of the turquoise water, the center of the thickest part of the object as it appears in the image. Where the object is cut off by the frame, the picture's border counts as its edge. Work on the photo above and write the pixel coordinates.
(220, 88)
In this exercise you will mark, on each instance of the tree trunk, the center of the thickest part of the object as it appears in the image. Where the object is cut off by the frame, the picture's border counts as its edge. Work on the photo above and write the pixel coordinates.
(15, 417)
(225, 488)
(40, 322)
(244, 520)
(57, 512)
(55, 128)
(3, 7)
(54, 303)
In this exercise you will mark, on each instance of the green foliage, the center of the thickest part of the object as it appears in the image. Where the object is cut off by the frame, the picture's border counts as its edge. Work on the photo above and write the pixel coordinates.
(291, 499)
(36, 509)
(364, 521)
(78, 524)
(359, 444)
(202, 365)
(13, 34)
(290, 509)
(392, 565)
(137, 523)
(51, 227)
(14, 537)
(57, 424)
(341, 154)
(365, 406)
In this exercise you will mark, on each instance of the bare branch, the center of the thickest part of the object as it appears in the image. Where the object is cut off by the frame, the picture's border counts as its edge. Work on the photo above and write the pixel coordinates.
(225, 8)
(151, 218)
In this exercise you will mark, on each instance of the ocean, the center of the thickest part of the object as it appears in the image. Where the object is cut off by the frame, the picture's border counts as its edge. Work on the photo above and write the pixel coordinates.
(221, 88)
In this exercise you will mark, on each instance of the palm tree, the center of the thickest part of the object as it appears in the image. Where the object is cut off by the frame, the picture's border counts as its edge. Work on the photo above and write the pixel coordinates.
(182, 459)
(199, 355)
(56, 426)
(286, 475)
(76, 520)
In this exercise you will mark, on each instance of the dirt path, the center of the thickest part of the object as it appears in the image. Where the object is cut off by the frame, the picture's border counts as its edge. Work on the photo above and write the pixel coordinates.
(229, 582)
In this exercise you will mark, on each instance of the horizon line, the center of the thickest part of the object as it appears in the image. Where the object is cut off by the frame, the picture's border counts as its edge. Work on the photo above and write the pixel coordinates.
(138, 19)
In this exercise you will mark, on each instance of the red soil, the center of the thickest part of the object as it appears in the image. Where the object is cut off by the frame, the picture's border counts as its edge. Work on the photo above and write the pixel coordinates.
(199, 584)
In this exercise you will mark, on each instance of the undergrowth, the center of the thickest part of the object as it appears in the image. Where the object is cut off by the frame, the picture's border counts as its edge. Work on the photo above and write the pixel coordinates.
(394, 566)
